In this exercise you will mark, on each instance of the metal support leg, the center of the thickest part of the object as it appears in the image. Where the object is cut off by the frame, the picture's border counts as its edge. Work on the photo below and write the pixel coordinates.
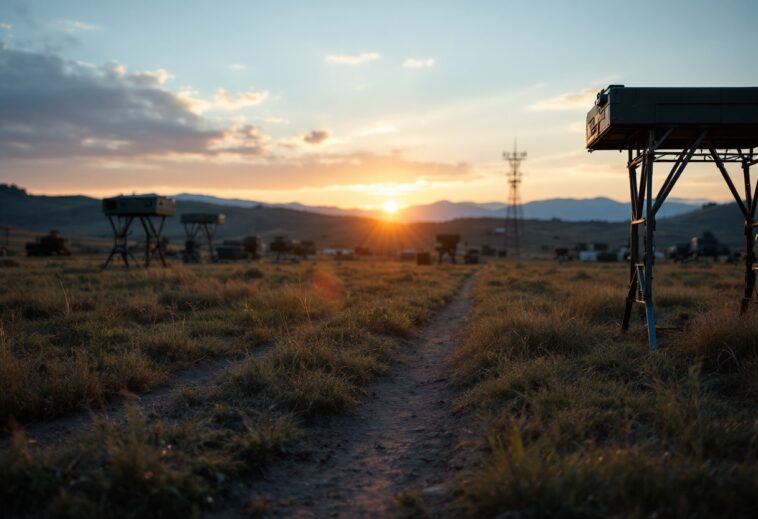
(120, 240)
(210, 232)
(647, 289)
(634, 248)
(151, 233)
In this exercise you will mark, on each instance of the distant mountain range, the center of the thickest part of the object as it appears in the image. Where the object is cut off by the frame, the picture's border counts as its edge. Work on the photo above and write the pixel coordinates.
(81, 216)
(565, 209)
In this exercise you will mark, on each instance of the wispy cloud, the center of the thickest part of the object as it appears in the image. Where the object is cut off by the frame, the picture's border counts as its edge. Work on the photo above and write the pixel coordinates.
(378, 129)
(5, 26)
(72, 26)
(276, 120)
(237, 67)
(418, 63)
(232, 102)
(359, 59)
(222, 100)
(581, 100)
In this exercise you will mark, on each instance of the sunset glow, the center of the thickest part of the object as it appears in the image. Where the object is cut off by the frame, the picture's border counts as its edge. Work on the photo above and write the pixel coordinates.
(288, 102)
(390, 207)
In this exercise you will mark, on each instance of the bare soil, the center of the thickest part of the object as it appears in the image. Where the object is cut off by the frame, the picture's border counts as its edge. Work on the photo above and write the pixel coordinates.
(404, 438)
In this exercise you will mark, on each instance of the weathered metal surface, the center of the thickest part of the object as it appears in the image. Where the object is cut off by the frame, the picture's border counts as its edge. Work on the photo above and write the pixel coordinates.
(622, 117)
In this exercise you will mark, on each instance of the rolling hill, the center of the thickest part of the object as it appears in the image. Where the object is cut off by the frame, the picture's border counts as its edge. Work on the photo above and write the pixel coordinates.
(567, 209)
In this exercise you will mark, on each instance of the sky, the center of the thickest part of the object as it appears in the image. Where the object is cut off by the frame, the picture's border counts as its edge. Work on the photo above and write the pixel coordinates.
(351, 104)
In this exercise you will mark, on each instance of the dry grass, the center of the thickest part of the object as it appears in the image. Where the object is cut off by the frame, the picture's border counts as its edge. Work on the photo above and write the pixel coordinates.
(580, 420)
(335, 328)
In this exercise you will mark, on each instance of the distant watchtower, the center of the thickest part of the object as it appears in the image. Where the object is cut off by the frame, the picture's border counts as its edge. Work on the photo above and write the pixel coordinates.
(514, 214)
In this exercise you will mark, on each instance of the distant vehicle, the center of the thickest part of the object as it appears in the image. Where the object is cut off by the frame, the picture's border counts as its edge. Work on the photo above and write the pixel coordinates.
(231, 250)
(704, 246)
(51, 245)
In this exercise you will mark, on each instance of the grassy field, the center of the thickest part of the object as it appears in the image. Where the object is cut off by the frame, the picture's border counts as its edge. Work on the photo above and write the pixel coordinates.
(579, 420)
(572, 417)
(73, 336)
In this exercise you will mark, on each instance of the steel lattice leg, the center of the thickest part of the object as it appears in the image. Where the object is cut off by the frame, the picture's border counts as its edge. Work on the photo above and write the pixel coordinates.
(634, 251)
(647, 289)
(750, 226)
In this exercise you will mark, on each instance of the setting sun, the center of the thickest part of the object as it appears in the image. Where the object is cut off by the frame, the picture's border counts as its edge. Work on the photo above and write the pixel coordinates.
(390, 207)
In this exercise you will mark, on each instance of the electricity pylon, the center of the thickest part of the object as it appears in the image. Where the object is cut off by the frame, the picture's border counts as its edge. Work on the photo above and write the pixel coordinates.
(514, 214)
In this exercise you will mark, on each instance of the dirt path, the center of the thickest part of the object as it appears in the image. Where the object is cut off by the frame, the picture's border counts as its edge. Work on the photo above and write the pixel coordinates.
(403, 438)
(60, 430)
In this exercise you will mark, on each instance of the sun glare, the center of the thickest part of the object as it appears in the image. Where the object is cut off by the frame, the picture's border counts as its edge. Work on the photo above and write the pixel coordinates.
(390, 207)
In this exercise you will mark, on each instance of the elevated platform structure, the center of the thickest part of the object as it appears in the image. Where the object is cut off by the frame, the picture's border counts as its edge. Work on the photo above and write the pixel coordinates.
(677, 126)
(122, 211)
(194, 224)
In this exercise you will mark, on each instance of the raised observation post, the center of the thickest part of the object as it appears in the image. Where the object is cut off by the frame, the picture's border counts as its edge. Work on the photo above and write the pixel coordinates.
(194, 224)
(676, 126)
(122, 211)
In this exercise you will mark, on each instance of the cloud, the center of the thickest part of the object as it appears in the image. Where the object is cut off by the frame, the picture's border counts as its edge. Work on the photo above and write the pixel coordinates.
(581, 100)
(5, 26)
(72, 26)
(360, 59)
(149, 78)
(418, 63)
(237, 67)
(317, 137)
(232, 102)
(244, 139)
(222, 100)
(52, 107)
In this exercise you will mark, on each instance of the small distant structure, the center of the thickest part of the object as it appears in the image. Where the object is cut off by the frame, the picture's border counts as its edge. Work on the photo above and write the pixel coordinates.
(122, 211)
(51, 245)
(447, 245)
(676, 126)
(471, 257)
(253, 245)
(194, 224)
(562, 254)
(704, 246)
(281, 247)
(423, 258)
(303, 249)
(488, 250)
(231, 250)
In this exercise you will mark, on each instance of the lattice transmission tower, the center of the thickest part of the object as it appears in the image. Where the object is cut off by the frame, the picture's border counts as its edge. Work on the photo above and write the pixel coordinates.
(514, 225)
